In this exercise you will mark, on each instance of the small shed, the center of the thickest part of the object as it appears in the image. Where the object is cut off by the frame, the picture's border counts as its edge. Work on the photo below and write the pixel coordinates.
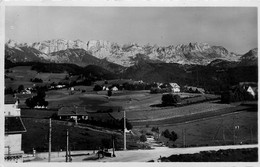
(73, 112)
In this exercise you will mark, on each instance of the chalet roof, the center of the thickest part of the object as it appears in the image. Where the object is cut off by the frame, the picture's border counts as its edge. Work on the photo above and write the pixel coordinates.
(14, 125)
(72, 111)
(174, 85)
(10, 99)
(252, 84)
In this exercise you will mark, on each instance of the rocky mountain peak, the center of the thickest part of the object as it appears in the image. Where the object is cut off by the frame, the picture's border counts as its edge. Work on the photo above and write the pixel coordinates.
(127, 54)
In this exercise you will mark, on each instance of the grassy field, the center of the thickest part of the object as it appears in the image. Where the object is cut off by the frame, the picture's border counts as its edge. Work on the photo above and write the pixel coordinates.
(22, 75)
(156, 114)
(37, 113)
(80, 138)
(217, 130)
(37, 136)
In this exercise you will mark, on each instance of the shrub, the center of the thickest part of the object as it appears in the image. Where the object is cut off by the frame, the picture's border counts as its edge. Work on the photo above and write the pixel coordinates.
(97, 88)
(155, 129)
(20, 88)
(143, 138)
(171, 136)
(170, 99)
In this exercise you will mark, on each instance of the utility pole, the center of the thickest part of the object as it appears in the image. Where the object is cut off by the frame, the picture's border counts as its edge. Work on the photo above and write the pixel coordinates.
(124, 131)
(67, 146)
(234, 135)
(70, 154)
(251, 135)
(113, 142)
(49, 158)
(184, 137)
(223, 132)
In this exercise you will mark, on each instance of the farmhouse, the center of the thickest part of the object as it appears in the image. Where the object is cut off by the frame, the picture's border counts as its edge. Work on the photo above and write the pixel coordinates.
(105, 88)
(114, 88)
(175, 87)
(251, 91)
(73, 112)
(60, 86)
(14, 128)
(250, 87)
(26, 91)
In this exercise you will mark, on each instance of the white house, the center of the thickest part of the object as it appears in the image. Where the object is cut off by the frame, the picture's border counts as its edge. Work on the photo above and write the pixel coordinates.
(250, 87)
(175, 87)
(114, 88)
(251, 91)
(14, 128)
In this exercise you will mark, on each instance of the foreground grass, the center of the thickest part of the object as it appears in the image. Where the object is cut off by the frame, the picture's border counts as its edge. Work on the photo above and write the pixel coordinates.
(80, 138)
(37, 136)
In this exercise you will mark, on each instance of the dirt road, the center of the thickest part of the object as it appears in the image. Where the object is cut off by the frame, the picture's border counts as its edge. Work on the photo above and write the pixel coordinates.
(147, 155)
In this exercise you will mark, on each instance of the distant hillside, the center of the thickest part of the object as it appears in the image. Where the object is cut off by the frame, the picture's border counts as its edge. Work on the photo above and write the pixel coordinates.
(211, 77)
(250, 58)
(99, 73)
(220, 63)
(90, 71)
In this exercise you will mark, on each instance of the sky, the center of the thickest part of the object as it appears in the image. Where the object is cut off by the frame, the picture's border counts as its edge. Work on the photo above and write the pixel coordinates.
(234, 28)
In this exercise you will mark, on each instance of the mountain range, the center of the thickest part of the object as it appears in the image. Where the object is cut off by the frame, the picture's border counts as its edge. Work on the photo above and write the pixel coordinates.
(211, 67)
(113, 56)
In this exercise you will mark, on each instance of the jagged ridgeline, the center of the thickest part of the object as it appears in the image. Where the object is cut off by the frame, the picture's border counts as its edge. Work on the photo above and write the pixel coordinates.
(212, 67)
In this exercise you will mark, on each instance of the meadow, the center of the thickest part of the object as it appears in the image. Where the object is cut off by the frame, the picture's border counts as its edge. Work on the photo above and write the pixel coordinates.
(238, 128)
(22, 75)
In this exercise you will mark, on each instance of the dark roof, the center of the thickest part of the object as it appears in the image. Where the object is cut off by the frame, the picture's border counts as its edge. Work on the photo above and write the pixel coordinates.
(72, 110)
(14, 125)
(9, 99)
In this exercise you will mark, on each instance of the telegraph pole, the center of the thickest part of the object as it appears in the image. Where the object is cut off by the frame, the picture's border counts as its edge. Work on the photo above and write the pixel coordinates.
(124, 131)
(223, 133)
(113, 142)
(49, 158)
(184, 137)
(234, 135)
(251, 135)
(67, 147)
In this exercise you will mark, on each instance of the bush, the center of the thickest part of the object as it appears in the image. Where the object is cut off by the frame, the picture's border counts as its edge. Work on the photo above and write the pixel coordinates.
(20, 88)
(97, 88)
(170, 99)
(39, 99)
(155, 129)
(171, 136)
(143, 138)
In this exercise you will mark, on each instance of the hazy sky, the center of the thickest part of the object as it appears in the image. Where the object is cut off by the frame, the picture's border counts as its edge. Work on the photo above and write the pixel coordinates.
(233, 28)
